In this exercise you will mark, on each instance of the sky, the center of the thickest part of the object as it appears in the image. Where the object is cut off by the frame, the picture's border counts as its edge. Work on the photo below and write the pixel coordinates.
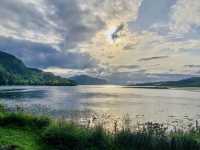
(158, 39)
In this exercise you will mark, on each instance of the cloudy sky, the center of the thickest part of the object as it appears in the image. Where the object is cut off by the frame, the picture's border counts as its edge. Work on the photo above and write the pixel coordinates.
(158, 40)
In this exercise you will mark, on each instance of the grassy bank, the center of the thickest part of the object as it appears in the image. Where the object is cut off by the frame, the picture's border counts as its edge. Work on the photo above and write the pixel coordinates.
(19, 131)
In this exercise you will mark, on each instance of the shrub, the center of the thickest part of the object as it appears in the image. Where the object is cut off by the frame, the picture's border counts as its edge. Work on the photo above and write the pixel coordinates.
(99, 139)
(184, 143)
(2, 108)
(126, 140)
(22, 120)
(66, 137)
(71, 137)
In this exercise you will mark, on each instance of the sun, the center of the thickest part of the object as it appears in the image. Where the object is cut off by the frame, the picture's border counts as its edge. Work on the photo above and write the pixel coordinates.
(109, 33)
(109, 44)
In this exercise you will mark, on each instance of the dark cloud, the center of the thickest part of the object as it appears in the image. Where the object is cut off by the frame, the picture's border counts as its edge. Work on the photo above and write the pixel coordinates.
(44, 56)
(70, 20)
(20, 16)
(62, 17)
(129, 47)
(192, 66)
(153, 58)
(128, 66)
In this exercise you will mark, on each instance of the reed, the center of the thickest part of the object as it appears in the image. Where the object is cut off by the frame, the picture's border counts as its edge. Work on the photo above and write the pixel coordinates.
(64, 135)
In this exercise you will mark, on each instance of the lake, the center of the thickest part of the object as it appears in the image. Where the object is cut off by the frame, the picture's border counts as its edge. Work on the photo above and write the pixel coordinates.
(106, 101)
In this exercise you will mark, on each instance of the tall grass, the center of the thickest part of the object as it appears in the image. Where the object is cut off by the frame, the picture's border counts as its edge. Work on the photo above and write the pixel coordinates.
(23, 120)
(72, 137)
(63, 135)
(126, 140)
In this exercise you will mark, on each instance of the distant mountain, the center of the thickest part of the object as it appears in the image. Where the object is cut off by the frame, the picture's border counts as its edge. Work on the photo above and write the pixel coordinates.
(190, 82)
(14, 72)
(87, 80)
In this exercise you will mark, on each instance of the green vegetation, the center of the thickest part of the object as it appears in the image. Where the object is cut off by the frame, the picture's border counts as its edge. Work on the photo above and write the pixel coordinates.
(190, 82)
(14, 72)
(20, 139)
(19, 131)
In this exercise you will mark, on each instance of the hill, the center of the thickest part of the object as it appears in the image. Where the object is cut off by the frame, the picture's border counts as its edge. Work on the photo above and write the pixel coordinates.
(14, 72)
(190, 82)
(87, 80)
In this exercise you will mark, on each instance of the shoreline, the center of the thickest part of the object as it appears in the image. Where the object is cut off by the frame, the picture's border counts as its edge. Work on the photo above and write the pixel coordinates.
(49, 134)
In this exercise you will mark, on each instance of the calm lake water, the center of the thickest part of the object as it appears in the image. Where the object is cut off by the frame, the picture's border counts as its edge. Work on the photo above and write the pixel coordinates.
(105, 101)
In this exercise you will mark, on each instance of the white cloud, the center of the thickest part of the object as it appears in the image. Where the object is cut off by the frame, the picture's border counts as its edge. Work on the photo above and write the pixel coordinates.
(112, 9)
(64, 72)
(185, 16)
(86, 26)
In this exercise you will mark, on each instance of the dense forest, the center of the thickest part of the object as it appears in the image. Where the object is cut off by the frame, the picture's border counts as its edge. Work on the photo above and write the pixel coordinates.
(14, 72)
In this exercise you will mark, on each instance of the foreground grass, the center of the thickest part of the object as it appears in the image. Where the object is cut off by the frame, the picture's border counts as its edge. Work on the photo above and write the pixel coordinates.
(13, 138)
(19, 131)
